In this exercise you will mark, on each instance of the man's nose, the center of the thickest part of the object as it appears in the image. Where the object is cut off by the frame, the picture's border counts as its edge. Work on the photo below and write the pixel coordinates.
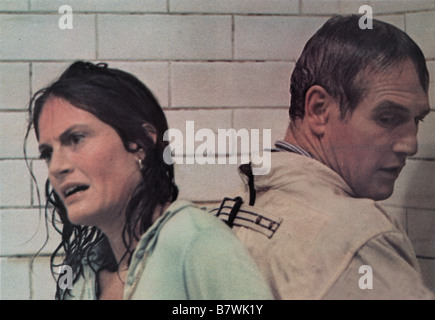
(407, 142)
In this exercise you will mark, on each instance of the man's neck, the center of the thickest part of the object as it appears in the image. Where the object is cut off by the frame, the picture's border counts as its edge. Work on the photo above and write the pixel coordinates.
(296, 135)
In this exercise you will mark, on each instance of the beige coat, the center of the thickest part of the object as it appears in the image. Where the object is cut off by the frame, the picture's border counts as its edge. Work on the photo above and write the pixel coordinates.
(324, 235)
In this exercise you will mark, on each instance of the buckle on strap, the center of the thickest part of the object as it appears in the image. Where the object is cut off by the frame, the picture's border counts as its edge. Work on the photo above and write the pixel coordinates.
(234, 213)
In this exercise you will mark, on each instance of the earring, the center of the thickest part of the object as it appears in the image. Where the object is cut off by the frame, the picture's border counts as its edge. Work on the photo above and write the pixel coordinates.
(139, 161)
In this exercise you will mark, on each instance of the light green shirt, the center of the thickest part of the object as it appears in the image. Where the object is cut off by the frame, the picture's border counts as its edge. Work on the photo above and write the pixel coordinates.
(186, 254)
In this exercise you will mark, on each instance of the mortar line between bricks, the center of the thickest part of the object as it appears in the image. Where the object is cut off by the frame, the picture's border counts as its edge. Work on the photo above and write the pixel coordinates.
(169, 85)
(25, 255)
(233, 35)
(97, 54)
(30, 80)
(242, 14)
(31, 279)
(151, 60)
(32, 203)
(137, 60)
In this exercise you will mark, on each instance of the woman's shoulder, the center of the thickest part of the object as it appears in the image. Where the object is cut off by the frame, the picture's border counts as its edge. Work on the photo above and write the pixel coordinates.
(198, 232)
(186, 227)
(186, 216)
(215, 264)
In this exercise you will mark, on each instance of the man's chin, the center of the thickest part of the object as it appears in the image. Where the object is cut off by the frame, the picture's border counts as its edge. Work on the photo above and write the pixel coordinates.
(382, 197)
(377, 193)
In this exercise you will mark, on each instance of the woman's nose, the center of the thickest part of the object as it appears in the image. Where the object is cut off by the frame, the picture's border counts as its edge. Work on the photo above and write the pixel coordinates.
(59, 165)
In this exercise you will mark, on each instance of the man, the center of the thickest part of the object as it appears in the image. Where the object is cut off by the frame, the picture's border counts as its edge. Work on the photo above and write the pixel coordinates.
(313, 224)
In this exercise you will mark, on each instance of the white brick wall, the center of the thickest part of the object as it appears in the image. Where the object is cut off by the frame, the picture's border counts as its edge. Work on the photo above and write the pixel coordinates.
(223, 64)
(124, 6)
(14, 89)
(230, 84)
(421, 27)
(164, 37)
(14, 5)
(38, 37)
(276, 37)
(238, 6)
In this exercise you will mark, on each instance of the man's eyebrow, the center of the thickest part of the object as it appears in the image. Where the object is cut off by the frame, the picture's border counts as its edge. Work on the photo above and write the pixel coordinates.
(424, 113)
(389, 105)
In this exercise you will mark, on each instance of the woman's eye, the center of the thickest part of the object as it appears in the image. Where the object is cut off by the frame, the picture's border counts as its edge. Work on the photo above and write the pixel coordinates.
(76, 138)
(45, 155)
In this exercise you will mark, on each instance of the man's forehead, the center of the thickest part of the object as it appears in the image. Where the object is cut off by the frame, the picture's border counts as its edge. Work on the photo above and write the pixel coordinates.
(401, 73)
(397, 87)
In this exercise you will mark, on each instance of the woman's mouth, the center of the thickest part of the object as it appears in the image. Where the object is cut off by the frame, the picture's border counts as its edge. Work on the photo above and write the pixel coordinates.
(74, 189)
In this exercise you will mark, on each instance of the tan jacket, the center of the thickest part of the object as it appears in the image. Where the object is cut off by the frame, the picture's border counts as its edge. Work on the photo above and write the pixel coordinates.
(324, 235)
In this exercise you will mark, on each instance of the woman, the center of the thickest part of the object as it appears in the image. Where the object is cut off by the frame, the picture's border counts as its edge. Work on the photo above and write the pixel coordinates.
(124, 234)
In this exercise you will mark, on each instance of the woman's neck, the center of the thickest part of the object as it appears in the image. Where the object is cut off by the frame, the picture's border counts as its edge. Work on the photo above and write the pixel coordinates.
(114, 233)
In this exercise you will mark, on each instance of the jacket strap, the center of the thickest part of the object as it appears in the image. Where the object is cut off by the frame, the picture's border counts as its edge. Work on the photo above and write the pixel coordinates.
(235, 213)
(246, 169)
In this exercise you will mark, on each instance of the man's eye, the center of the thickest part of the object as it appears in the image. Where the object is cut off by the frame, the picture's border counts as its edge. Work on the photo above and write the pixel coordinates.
(418, 120)
(388, 120)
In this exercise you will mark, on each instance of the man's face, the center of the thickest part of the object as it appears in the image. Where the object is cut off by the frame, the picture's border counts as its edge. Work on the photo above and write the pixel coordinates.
(369, 147)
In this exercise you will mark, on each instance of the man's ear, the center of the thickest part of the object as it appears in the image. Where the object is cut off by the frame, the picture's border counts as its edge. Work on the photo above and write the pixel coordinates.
(317, 109)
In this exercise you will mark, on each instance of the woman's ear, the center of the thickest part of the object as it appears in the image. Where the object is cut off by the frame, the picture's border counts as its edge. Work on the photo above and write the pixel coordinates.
(139, 152)
(150, 132)
(318, 103)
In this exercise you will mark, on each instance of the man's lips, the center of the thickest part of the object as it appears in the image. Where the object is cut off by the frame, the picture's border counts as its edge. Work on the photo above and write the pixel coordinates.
(393, 170)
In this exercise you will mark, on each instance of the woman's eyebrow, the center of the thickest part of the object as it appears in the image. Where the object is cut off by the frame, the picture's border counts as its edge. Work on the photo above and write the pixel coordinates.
(42, 147)
(64, 135)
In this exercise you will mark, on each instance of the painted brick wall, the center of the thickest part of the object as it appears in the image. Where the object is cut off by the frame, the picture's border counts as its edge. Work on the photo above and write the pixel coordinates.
(222, 64)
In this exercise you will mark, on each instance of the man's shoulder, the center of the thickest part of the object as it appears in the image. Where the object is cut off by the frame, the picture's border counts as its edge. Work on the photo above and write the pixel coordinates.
(275, 213)
(301, 185)
(298, 219)
(288, 236)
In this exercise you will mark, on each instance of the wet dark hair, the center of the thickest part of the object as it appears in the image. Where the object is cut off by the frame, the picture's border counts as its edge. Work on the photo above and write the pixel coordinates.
(120, 100)
(340, 55)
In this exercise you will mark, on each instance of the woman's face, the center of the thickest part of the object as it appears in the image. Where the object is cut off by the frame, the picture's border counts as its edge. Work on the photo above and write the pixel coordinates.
(88, 166)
